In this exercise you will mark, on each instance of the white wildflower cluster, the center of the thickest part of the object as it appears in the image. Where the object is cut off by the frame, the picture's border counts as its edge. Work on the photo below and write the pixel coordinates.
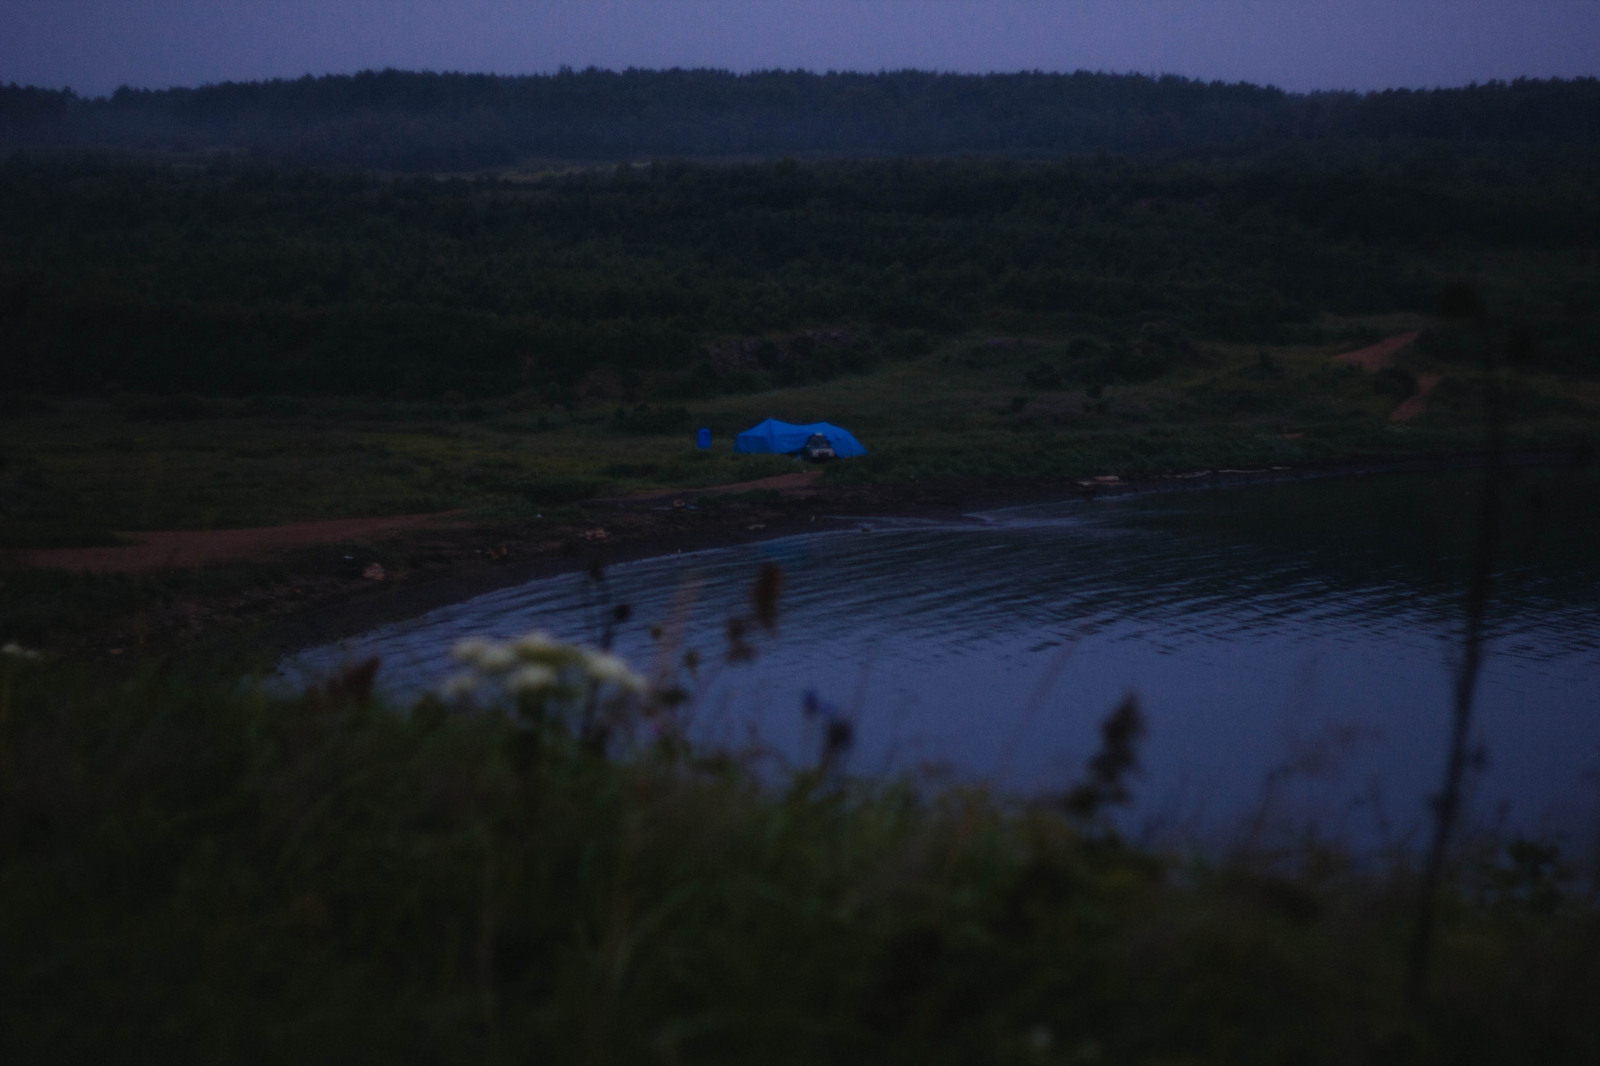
(539, 667)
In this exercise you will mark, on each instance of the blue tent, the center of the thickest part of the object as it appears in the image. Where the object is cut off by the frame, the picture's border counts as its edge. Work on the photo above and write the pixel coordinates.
(785, 438)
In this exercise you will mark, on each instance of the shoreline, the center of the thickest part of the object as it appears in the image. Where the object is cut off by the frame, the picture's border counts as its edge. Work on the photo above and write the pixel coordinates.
(817, 509)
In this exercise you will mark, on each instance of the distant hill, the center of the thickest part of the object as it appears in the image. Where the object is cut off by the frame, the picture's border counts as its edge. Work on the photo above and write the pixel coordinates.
(396, 120)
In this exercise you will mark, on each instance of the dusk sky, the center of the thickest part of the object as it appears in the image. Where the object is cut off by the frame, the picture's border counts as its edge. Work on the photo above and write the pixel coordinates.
(96, 45)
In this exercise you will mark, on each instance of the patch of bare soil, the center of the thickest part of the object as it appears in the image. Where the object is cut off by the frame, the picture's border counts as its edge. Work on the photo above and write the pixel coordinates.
(1418, 401)
(1380, 355)
(178, 549)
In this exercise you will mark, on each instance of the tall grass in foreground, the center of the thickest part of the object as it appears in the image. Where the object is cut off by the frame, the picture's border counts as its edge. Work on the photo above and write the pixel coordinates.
(191, 871)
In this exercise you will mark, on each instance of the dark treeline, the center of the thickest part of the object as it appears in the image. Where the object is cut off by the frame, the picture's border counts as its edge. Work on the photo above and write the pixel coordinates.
(234, 279)
(397, 120)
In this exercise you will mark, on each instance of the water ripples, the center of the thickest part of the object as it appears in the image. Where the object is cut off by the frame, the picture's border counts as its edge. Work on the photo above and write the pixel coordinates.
(1238, 644)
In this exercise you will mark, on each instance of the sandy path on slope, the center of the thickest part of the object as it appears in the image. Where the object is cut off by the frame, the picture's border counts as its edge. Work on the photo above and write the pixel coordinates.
(177, 549)
(1418, 402)
(1380, 355)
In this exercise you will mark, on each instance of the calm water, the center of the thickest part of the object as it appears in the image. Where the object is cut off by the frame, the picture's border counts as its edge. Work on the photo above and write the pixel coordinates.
(1292, 646)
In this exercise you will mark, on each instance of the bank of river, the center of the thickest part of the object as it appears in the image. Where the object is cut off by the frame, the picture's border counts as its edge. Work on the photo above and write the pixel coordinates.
(1292, 645)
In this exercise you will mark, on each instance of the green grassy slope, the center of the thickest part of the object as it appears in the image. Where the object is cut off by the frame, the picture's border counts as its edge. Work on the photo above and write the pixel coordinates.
(975, 406)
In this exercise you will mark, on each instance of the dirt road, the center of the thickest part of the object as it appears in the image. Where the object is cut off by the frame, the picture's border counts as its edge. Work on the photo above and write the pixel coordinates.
(176, 549)
(1380, 355)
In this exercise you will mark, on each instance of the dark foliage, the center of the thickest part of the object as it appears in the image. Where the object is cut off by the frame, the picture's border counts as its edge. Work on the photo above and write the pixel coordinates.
(555, 491)
(646, 419)
(685, 280)
(1106, 783)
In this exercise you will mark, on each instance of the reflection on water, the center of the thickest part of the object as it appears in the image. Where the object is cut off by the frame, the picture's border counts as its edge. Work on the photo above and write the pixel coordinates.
(1292, 646)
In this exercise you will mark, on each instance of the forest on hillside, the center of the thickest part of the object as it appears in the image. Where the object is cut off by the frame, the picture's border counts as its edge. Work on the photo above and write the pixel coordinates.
(687, 279)
(405, 121)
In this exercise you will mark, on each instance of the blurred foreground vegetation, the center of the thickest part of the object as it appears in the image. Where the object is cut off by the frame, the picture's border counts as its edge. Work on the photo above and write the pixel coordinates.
(193, 871)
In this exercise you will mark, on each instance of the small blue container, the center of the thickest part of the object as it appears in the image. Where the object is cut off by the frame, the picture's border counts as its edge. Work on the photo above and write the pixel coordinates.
(705, 437)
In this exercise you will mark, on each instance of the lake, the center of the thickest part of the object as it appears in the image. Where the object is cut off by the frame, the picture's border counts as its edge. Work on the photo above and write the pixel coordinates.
(1292, 645)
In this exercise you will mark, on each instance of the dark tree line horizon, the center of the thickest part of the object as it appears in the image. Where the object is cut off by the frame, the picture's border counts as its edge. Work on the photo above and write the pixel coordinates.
(418, 121)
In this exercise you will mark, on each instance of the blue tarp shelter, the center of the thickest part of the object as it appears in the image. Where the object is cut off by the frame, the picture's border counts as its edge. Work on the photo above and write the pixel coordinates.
(786, 438)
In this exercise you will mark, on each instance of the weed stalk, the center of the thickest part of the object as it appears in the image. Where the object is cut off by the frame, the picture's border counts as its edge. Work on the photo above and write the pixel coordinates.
(1463, 302)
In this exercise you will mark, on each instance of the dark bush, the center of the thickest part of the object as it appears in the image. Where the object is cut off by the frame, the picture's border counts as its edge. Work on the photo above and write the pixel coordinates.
(752, 496)
(1395, 381)
(651, 420)
(1452, 344)
(168, 409)
(632, 470)
(560, 490)
(22, 404)
(62, 534)
(908, 344)
(1044, 376)
(274, 407)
